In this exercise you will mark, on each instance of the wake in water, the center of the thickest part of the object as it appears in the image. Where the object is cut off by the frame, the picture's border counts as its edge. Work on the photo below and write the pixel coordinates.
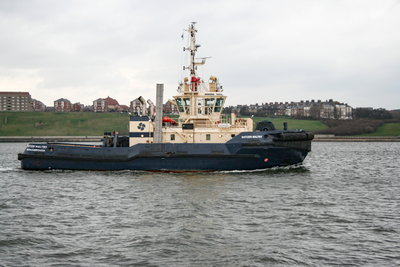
(299, 168)
(6, 169)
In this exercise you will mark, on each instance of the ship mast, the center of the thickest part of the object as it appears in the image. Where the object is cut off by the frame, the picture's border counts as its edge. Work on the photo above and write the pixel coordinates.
(192, 48)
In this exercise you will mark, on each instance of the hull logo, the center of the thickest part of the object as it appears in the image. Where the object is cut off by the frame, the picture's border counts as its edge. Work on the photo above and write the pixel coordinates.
(141, 126)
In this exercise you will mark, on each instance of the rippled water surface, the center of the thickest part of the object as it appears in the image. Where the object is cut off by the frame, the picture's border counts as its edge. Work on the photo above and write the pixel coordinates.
(341, 207)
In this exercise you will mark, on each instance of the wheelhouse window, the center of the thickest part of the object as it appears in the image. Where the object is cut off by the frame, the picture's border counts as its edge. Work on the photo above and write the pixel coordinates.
(179, 104)
(186, 104)
(200, 105)
(209, 105)
(218, 105)
(183, 104)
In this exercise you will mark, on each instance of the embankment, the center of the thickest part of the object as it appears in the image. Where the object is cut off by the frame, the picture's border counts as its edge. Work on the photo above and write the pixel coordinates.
(331, 138)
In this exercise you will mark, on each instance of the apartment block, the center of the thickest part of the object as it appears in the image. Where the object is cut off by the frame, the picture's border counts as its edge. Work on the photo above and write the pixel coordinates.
(62, 105)
(15, 101)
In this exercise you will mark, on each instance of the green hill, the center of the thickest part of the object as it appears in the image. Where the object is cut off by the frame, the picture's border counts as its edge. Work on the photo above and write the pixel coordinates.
(93, 124)
(387, 129)
(61, 124)
(90, 123)
(308, 125)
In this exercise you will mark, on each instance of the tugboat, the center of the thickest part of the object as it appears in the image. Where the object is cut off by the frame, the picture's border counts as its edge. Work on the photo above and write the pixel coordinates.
(202, 139)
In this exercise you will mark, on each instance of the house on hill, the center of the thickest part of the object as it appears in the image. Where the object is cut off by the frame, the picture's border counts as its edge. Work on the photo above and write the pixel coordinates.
(105, 105)
(77, 107)
(15, 101)
(62, 105)
(123, 108)
(38, 105)
(170, 108)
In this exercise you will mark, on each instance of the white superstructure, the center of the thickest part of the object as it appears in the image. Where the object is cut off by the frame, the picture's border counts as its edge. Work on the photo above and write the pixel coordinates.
(200, 104)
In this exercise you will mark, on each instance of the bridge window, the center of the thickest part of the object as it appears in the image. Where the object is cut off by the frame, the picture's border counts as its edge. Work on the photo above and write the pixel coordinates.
(179, 104)
(218, 105)
(186, 104)
(183, 104)
(209, 105)
(199, 105)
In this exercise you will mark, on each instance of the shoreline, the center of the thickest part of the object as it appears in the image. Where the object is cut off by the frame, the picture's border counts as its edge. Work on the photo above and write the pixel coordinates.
(318, 138)
(356, 139)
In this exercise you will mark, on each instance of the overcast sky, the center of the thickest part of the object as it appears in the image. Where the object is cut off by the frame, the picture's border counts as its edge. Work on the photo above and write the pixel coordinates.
(262, 51)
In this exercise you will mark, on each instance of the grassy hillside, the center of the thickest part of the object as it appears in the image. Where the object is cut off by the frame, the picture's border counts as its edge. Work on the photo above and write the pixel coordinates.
(59, 124)
(308, 125)
(89, 123)
(387, 129)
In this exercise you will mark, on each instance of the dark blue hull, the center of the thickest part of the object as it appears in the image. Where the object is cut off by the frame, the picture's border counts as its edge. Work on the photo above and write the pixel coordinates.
(237, 154)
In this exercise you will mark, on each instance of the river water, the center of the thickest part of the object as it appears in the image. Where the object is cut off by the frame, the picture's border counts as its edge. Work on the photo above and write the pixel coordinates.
(341, 207)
